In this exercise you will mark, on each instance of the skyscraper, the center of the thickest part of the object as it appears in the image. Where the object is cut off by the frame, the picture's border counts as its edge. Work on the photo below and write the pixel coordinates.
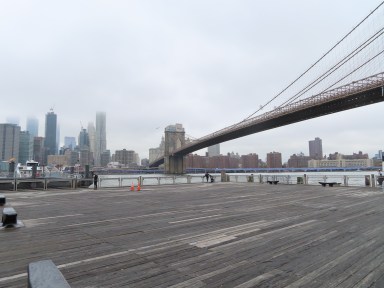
(92, 137)
(50, 133)
(316, 149)
(83, 139)
(101, 137)
(69, 142)
(25, 147)
(33, 126)
(9, 142)
(38, 149)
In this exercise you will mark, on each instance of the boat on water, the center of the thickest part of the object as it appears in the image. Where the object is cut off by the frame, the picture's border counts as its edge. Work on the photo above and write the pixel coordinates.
(27, 170)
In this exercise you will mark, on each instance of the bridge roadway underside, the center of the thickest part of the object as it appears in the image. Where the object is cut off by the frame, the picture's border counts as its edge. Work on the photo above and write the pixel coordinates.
(353, 101)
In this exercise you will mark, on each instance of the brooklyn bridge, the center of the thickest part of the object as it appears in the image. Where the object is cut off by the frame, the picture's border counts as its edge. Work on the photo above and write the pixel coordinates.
(353, 77)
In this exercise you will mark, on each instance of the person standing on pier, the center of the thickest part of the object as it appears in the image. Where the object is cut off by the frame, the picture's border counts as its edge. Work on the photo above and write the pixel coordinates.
(206, 175)
(95, 180)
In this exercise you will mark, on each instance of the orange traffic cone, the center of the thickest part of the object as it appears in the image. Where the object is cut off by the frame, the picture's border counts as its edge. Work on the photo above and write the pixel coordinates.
(138, 186)
(132, 187)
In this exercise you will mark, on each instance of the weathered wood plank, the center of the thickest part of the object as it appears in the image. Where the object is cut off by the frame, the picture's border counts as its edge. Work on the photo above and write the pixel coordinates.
(230, 235)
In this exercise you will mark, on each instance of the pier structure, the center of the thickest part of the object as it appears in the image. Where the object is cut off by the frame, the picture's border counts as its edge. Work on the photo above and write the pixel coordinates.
(203, 235)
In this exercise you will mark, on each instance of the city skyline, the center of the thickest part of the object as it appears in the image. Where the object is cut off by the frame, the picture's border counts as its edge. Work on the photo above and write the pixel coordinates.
(148, 65)
(85, 140)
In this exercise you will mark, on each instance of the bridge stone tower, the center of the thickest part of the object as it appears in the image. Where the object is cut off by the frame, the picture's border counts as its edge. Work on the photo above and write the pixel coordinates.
(174, 139)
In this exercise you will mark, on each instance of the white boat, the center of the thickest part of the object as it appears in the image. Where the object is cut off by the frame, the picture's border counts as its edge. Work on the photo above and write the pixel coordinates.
(25, 171)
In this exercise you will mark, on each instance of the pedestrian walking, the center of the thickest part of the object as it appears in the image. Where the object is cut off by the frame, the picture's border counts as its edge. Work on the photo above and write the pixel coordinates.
(95, 180)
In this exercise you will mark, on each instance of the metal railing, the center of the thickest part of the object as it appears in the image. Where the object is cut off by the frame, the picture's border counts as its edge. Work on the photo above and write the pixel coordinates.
(368, 180)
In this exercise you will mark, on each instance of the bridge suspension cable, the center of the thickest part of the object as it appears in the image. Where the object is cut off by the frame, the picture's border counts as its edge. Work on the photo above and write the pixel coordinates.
(338, 65)
(316, 62)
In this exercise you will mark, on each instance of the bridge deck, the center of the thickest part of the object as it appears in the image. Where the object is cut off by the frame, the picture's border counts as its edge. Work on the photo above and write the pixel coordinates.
(204, 235)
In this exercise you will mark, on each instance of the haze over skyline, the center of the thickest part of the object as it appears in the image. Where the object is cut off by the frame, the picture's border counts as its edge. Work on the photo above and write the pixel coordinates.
(150, 64)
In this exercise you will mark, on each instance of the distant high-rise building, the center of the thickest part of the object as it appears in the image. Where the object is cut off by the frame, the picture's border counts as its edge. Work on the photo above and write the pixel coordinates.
(298, 161)
(250, 161)
(274, 160)
(101, 137)
(50, 134)
(9, 142)
(214, 150)
(316, 149)
(38, 150)
(83, 139)
(155, 153)
(105, 158)
(25, 147)
(125, 157)
(33, 126)
(70, 142)
(92, 136)
(57, 138)
(13, 120)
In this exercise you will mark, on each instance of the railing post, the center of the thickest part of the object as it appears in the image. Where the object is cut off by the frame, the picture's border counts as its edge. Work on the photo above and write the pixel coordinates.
(367, 180)
(373, 183)
(345, 180)
(305, 179)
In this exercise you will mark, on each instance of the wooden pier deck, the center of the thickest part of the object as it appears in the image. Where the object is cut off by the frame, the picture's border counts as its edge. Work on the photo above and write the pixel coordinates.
(203, 235)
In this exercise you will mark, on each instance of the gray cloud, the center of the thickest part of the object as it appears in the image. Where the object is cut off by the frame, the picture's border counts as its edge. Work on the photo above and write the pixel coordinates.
(148, 64)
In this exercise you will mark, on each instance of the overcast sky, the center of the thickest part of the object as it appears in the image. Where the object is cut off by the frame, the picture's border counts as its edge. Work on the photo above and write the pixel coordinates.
(151, 63)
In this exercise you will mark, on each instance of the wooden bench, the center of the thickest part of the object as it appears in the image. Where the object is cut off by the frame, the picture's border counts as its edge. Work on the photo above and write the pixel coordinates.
(9, 216)
(272, 182)
(45, 274)
(2, 200)
(330, 184)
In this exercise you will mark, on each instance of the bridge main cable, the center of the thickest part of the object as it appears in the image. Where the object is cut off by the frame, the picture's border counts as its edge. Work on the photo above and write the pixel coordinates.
(314, 64)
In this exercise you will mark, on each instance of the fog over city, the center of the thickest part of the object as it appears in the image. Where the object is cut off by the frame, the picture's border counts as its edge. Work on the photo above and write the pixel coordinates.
(205, 64)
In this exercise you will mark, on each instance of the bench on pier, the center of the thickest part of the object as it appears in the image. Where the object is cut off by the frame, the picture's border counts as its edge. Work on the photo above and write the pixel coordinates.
(330, 184)
(272, 182)
(2, 200)
(9, 216)
(45, 274)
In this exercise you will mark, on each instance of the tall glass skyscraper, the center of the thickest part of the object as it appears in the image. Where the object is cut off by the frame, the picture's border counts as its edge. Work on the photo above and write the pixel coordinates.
(33, 126)
(101, 136)
(50, 133)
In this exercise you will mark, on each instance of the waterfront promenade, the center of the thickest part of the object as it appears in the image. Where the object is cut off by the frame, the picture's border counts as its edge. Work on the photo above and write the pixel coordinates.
(201, 235)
